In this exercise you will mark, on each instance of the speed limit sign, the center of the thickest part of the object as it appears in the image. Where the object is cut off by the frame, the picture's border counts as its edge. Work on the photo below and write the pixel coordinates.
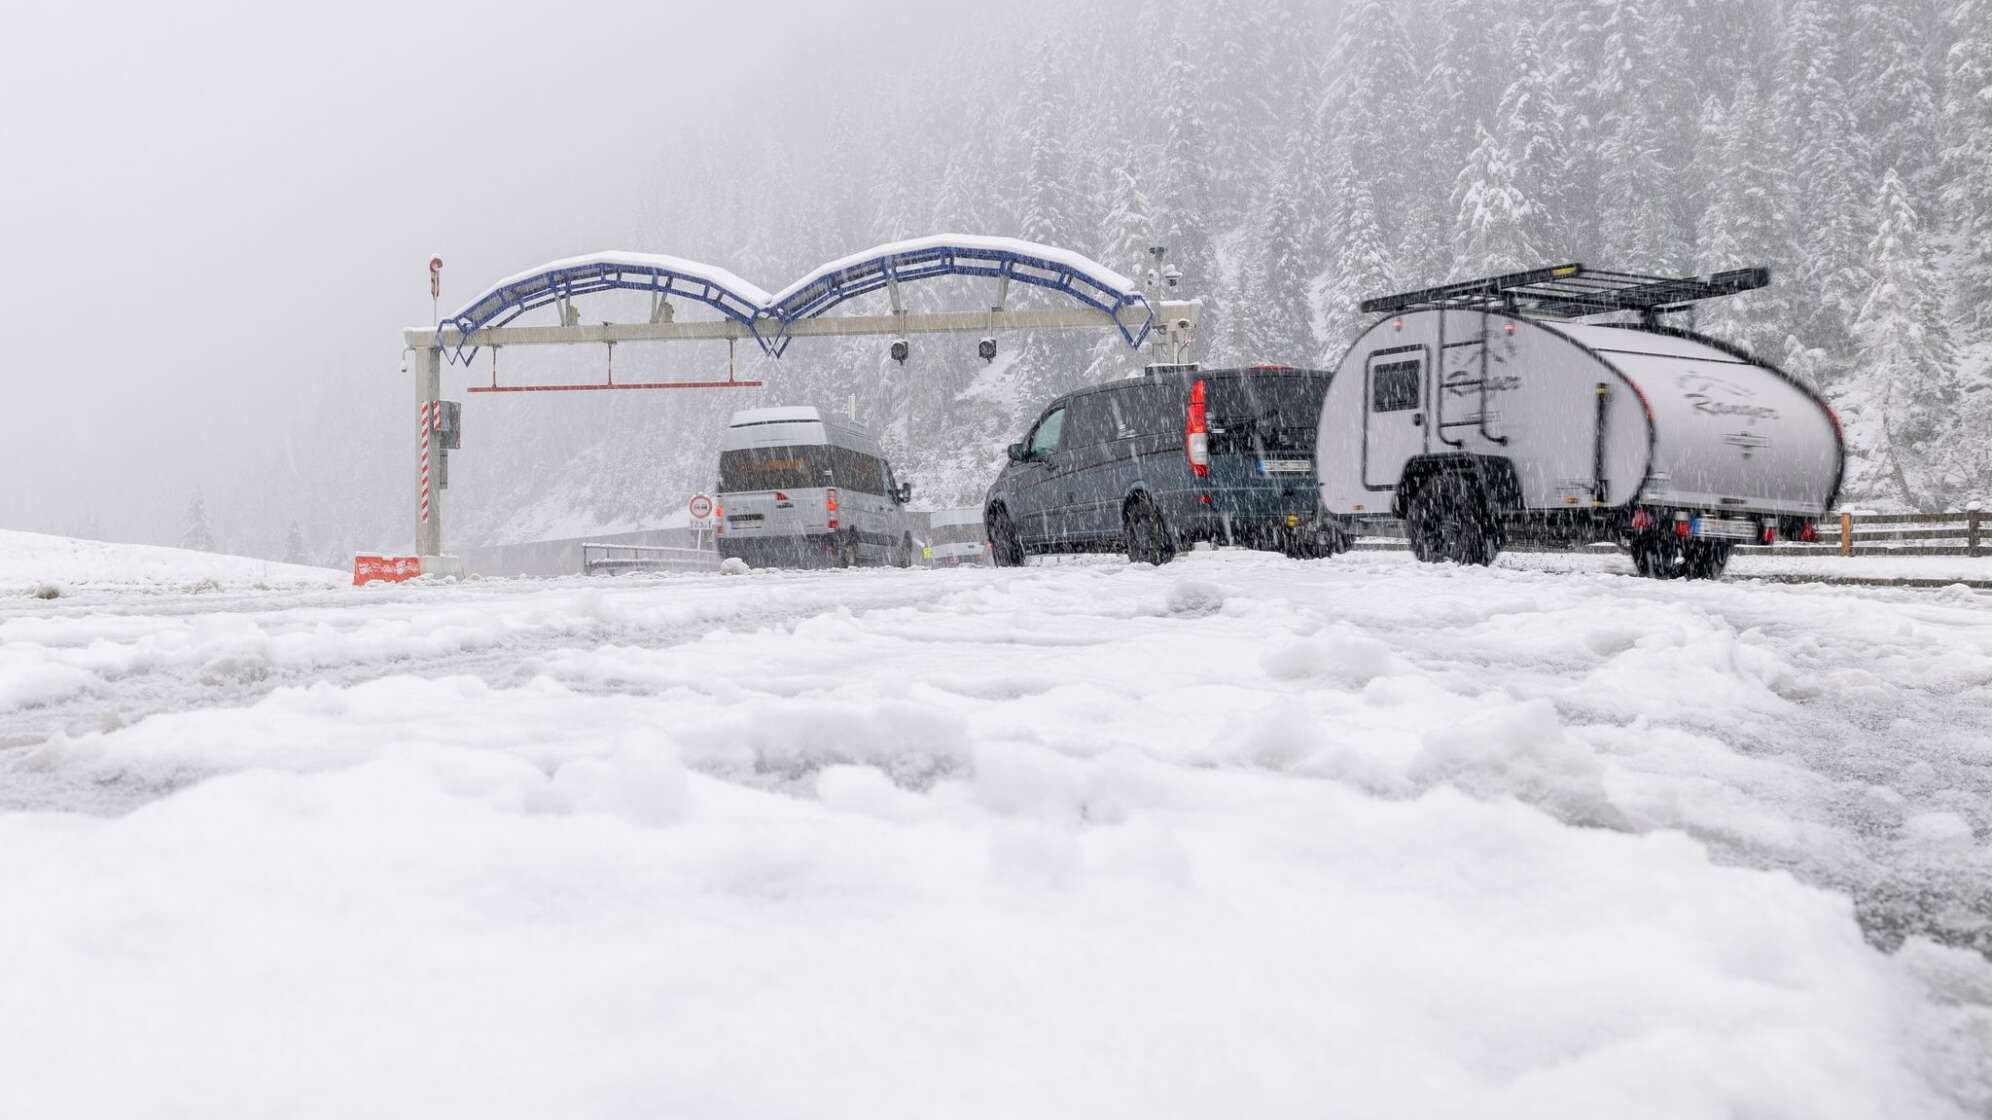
(701, 507)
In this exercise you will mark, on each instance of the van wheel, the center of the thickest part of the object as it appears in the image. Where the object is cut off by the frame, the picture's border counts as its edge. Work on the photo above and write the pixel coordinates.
(902, 557)
(1006, 549)
(843, 551)
(1448, 520)
(1146, 536)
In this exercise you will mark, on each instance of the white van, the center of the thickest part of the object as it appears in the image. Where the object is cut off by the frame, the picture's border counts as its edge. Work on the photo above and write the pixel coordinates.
(801, 489)
(957, 538)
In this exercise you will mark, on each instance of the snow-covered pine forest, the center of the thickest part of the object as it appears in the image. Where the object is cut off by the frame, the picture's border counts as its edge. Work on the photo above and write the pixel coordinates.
(1295, 156)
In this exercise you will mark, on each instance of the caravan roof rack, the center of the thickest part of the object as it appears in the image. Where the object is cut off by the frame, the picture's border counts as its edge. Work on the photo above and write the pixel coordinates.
(1572, 291)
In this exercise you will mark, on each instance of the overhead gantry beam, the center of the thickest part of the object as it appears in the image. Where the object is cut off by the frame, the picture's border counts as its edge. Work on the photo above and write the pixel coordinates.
(1177, 317)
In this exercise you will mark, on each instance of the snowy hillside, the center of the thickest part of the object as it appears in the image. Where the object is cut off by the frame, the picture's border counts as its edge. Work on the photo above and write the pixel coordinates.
(37, 563)
(1296, 156)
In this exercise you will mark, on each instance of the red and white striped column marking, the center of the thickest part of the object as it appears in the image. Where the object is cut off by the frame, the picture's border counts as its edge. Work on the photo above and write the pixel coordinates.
(425, 460)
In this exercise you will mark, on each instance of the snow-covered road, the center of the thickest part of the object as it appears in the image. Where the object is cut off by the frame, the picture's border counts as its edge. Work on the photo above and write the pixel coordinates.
(1240, 836)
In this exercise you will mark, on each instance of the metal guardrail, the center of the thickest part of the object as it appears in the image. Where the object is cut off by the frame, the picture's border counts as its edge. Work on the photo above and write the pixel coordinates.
(611, 559)
(1848, 533)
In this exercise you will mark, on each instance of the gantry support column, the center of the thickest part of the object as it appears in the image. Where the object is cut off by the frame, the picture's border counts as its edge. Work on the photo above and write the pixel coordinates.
(429, 510)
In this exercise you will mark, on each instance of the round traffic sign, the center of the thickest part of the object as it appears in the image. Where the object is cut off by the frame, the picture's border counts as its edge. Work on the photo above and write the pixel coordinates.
(701, 506)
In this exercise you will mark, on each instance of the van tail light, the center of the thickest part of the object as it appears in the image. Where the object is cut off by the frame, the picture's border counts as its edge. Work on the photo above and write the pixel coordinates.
(718, 519)
(1770, 533)
(1196, 433)
(830, 504)
(1682, 526)
(1807, 532)
(1642, 519)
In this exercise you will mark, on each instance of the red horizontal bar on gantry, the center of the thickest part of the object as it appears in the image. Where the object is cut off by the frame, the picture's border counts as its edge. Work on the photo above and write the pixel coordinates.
(616, 385)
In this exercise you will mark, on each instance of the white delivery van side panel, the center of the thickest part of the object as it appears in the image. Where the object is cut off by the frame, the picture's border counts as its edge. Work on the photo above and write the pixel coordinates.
(1729, 433)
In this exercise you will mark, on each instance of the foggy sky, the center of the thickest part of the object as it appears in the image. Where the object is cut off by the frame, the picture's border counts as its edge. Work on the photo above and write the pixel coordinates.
(217, 216)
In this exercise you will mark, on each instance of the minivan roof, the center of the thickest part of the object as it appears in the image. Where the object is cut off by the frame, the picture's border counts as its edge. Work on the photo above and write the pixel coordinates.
(792, 425)
(1198, 375)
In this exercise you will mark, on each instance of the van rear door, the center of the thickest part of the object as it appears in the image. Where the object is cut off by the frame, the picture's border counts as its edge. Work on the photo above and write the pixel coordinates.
(1270, 416)
(773, 491)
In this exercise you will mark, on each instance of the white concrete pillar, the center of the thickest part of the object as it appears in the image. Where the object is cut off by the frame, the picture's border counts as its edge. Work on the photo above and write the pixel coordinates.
(429, 491)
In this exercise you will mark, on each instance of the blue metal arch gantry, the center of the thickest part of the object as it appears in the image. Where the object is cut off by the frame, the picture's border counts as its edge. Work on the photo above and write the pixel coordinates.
(900, 262)
(562, 280)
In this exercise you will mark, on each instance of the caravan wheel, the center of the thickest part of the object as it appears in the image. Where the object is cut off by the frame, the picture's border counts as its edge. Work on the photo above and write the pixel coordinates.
(1664, 557)
(1449, 520)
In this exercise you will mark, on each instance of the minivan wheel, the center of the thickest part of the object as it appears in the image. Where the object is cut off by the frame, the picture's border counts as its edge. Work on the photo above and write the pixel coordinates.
(1005, 548)
(1146, 536)
(1449, 520)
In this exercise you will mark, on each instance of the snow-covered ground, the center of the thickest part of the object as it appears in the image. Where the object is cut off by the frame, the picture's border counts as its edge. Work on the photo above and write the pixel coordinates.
(1238, 836)
(38, 563)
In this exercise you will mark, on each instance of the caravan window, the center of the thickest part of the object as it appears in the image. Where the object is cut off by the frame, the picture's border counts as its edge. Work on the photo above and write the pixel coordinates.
(1394, 386)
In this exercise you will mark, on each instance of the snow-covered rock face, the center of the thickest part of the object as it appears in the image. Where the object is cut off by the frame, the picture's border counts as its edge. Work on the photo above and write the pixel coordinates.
(1355, 835)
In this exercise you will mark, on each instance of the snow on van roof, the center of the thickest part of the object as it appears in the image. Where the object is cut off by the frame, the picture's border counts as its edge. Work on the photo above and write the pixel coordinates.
(796, 413)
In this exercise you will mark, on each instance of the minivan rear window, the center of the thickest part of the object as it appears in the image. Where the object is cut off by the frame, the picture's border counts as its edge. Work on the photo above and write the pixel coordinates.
(1280, 400)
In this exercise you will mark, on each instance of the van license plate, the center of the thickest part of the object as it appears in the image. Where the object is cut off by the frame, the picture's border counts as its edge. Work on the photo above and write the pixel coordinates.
(1285, 466)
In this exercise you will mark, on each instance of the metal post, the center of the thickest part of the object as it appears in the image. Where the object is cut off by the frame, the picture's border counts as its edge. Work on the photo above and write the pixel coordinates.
(429, 508)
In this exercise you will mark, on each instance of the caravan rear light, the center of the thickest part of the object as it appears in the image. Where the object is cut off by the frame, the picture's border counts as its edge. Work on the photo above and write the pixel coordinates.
(1196, 434)
(1770, 534)
(1642, 519)
(1683, 527)
(1807, 532)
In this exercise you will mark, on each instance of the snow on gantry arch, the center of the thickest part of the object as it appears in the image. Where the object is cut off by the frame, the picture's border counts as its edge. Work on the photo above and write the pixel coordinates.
(564, 279)
(958, 254)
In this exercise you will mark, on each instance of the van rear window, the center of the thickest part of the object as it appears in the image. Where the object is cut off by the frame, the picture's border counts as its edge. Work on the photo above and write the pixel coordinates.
(774, 468)
(800, 468)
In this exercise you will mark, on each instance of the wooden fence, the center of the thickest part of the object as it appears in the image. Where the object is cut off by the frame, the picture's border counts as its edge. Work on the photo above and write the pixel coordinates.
(1897, 534)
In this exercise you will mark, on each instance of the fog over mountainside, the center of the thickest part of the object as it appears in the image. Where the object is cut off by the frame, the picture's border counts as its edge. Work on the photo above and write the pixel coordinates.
(1293, 157)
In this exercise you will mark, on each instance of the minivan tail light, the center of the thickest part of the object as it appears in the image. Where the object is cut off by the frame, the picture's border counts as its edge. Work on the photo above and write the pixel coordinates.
(1196, 434)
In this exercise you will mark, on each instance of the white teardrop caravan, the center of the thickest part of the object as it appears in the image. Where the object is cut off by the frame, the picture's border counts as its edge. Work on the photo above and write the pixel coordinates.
(1491, 412)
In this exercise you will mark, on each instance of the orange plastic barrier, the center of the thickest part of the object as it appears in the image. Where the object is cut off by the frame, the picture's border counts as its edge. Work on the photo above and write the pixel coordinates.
(394, 569)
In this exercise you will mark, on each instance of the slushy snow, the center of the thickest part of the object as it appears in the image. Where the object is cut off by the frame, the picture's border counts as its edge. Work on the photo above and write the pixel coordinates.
(1235, 836)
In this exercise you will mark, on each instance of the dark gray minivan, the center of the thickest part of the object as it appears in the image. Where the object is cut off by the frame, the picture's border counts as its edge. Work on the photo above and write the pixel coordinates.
(1157, 462)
